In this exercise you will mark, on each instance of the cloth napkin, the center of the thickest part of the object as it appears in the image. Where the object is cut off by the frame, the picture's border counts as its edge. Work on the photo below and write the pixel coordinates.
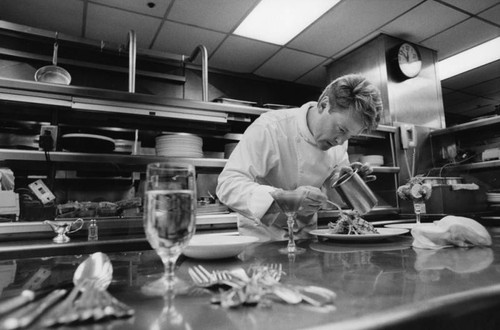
(450, 231)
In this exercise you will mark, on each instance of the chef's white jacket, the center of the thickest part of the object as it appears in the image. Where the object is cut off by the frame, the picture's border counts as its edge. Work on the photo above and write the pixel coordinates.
(276, 151)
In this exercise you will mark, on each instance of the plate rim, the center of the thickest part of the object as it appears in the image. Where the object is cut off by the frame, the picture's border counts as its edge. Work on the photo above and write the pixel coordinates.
(345, 237)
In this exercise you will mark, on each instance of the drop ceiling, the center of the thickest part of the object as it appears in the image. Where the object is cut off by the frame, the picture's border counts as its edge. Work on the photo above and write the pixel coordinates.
(178, 26)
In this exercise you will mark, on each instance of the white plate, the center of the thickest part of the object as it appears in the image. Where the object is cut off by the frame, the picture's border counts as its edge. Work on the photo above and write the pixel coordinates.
(217, 246)
(383, 233)
(346, 247)
(407, 225)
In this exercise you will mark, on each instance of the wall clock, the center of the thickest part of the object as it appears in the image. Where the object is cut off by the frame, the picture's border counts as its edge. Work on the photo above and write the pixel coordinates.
(409, 61)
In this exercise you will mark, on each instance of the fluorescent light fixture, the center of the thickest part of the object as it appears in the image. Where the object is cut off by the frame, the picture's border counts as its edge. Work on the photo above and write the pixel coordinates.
(278, 21)
(472, 58)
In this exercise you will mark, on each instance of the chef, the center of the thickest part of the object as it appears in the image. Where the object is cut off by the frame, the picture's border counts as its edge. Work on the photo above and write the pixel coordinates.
(297, 149)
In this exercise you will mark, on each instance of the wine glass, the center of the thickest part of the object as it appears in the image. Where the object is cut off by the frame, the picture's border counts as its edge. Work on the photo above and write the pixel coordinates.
(169, 218)
(289, 202)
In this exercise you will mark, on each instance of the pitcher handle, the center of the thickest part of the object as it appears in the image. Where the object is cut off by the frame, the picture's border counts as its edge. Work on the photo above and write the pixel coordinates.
(80, 221)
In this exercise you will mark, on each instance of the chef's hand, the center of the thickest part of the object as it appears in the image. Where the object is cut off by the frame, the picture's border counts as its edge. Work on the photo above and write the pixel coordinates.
(313, 200)
(364, 171)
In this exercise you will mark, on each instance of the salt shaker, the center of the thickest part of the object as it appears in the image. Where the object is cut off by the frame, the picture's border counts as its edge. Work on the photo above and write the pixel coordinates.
(93, 231)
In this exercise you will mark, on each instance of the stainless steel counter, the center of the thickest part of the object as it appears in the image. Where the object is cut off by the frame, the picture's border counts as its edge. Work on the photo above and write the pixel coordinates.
(379, 285)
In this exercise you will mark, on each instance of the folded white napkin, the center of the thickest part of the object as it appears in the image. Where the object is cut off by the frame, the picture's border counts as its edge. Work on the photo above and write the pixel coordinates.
(450, 231)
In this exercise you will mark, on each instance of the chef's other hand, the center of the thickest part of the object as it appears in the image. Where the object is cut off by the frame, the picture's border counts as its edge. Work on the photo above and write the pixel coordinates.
(312, 201)
(364, 171)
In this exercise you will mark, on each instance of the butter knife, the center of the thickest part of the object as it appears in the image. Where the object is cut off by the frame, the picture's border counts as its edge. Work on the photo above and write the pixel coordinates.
(10, 304)
(26, 315)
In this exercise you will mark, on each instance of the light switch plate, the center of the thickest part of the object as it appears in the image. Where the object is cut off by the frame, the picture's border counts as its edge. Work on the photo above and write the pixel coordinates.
(42, 191)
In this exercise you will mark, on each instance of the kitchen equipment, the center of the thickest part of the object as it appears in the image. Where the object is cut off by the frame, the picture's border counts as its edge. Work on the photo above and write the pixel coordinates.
(81, 142)
(235, 102)
(52, 73)
(442, 180)
(355, 192)
(277, 106)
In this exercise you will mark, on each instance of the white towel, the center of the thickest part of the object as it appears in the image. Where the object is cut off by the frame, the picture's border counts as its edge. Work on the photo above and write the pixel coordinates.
(451, 231)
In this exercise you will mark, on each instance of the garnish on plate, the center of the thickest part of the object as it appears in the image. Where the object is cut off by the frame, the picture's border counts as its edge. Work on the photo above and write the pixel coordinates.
(350, 223)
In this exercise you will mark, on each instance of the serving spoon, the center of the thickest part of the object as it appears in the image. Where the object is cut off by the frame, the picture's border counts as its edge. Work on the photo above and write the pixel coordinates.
(92, 277)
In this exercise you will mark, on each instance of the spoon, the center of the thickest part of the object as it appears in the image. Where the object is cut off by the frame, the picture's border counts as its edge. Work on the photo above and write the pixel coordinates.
(96, 271)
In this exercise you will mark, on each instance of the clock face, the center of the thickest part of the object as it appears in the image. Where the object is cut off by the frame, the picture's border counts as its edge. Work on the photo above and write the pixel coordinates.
(409, 60)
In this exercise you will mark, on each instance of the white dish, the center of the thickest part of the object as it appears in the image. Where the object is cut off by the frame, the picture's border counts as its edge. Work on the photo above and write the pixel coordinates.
(217, 246)
(383, 233)
(407, 225)
(336, 247)
(374, 160)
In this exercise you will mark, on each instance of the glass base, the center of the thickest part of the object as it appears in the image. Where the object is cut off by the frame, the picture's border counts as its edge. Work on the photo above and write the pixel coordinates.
(161, 287)
(296, 250)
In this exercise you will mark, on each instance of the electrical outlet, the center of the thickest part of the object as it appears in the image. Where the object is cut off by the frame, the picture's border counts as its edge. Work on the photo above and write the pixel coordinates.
(45, 130)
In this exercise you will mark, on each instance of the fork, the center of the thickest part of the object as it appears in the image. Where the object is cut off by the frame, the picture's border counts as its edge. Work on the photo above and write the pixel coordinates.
(203, 278)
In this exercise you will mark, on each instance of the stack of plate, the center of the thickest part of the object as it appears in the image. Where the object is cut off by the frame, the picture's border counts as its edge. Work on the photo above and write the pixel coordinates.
(179, 145)
(493, 199)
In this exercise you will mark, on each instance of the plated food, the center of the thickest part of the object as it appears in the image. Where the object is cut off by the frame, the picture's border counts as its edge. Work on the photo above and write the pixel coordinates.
(383, 233)
(351, 224)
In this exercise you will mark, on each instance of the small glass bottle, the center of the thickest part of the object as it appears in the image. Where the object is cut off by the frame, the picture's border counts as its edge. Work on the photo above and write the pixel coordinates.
(93, 234)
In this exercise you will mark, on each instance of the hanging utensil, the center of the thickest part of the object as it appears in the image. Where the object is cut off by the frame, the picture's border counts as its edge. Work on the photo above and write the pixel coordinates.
(52, 73)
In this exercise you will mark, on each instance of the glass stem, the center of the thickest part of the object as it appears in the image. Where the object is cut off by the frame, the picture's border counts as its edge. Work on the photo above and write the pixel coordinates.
(417, 207)
(169, 264)
(291, 242)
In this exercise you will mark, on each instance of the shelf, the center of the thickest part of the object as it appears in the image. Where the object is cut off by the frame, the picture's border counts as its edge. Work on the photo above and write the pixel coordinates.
(75, 157)
(476, 166)
(467, 126)
(110, 223)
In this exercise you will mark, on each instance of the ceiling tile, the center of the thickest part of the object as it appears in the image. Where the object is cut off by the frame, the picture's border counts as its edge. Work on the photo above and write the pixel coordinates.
(492, 15)
(289, 65)
(474, 107)
(219, 15)
(183, 39)
(473, 77)
(472, 6)
(316, 77)
(485, 89)
(463, 36)
(109, 24)
(455, 98)
(494, 96)
(139, 6)
(41, 14)
(424, 21)
(241, 55)
(347, 22)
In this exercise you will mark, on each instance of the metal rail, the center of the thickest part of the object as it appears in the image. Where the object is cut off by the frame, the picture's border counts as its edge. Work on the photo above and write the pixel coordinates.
(204, 68)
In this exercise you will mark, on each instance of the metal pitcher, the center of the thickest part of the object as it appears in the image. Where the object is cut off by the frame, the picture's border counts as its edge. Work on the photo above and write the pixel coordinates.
(61, 228)
(355, 192)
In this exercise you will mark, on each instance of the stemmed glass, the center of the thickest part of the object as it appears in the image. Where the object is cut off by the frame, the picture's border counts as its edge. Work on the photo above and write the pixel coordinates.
(169, 218)
(289, 202)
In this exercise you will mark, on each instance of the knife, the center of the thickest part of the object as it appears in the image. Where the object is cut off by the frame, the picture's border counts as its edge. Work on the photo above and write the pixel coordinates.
(26, 315)
(10, 304)
(26, 296)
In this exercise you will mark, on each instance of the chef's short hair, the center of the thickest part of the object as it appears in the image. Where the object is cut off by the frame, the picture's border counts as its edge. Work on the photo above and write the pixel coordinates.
(354, 92)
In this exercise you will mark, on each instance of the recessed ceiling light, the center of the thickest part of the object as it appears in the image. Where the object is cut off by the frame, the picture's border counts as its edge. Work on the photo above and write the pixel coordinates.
(472, 58)
(278, 21)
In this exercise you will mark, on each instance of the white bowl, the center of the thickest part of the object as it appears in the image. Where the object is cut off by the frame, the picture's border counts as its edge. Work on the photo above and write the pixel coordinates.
(217, 246)
(374, 160)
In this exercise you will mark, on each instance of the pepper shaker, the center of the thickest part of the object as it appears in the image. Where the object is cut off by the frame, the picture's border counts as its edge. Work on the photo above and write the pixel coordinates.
(93, 230)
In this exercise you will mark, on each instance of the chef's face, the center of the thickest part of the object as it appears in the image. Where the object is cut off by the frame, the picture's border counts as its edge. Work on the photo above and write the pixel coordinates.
(335, 127)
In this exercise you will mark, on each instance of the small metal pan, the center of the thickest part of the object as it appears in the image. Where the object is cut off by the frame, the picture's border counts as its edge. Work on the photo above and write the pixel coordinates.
(52, 73)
